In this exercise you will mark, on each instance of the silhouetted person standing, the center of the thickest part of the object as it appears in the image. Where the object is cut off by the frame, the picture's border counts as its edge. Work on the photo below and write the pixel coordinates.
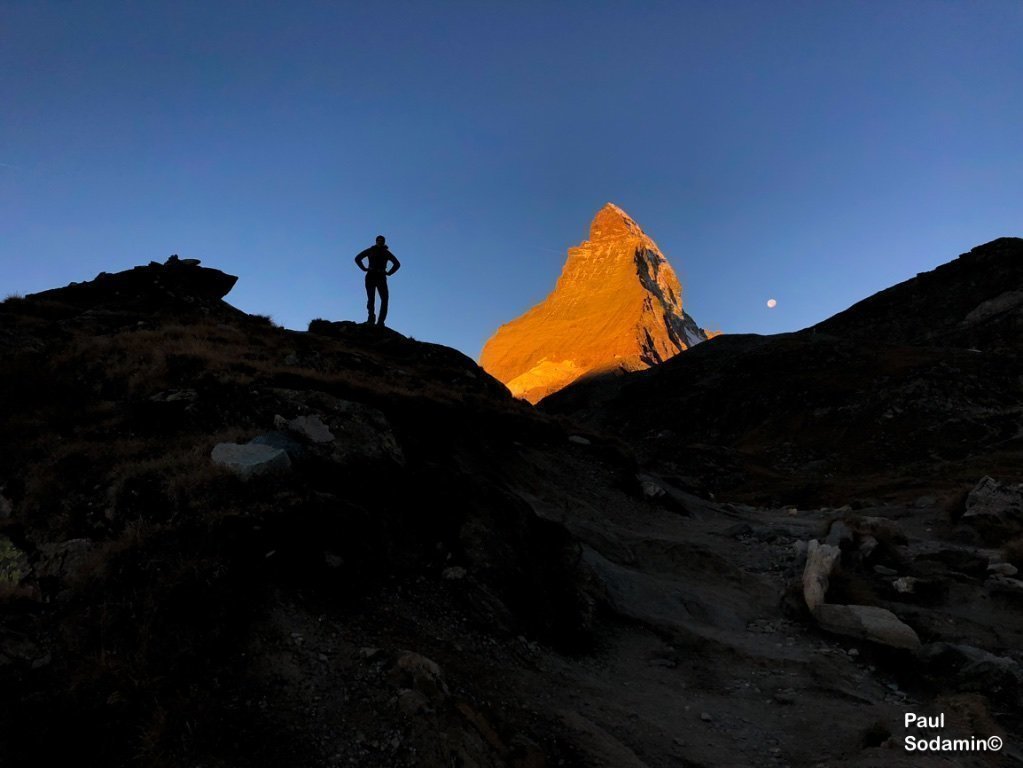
(376, 276)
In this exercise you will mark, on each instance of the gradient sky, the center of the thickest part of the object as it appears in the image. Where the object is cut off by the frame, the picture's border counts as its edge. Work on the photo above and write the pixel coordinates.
(814, 152)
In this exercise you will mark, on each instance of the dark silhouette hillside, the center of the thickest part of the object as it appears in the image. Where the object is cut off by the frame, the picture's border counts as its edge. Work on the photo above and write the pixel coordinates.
(227, 544)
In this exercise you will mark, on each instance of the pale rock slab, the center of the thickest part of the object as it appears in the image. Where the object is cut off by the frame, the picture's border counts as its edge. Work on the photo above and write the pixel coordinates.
(250, 460)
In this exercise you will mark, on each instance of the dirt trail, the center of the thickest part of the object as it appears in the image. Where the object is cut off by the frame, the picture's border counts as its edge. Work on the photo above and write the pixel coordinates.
(705, 665)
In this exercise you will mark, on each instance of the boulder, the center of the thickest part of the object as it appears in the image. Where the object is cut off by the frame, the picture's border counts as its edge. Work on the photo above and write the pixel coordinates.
(281, 441)
(650, 487)
(867, 622)
(250, 460)
(820, 562)
(1005, 585)
(312, 428)
(995, 509)
(416, 672)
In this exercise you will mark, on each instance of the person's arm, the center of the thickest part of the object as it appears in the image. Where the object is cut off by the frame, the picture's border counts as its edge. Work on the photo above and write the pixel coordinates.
(360, 258)
(397, 264)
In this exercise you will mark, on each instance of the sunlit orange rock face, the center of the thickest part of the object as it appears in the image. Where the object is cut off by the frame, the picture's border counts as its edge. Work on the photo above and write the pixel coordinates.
(617, 304)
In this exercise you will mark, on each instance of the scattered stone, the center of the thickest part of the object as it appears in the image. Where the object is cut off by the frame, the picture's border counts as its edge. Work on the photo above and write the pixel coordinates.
(578, 440)
(820, 562)
(706, 717)
(42, 661)
(650, 487)
(906, 585)
(1003, 569)
(250, 460)
(867, 622)
(312, 428)
(1005, 585)
(994, 509)
(453, 573)
(175, 396)
(333, 561)
(415, 671)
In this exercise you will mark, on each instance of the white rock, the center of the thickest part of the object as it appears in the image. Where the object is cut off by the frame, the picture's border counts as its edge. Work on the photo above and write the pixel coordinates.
(869, 623)
(250, 460)
(820, 562)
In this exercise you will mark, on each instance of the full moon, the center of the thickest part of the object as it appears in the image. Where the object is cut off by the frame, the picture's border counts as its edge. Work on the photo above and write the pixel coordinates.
(771, 303)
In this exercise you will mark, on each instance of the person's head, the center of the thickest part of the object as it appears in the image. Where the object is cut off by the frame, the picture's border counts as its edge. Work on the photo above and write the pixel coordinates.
(380, 240)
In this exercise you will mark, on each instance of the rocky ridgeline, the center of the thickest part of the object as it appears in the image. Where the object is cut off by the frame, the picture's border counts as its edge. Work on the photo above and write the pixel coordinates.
(914, 391)
(147, 287)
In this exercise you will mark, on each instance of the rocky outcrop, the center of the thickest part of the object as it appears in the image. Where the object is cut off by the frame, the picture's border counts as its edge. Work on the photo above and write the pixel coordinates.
(175, 281)
(617, 305)
(250, 460)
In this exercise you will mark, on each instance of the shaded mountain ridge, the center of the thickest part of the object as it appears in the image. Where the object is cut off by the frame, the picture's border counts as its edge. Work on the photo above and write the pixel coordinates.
(917, 386)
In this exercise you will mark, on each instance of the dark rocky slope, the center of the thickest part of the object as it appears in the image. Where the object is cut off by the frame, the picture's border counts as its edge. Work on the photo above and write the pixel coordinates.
(420, 570)
(913, 391)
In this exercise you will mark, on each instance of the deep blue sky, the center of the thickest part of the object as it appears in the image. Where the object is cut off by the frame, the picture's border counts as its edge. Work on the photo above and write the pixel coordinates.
(814, 152)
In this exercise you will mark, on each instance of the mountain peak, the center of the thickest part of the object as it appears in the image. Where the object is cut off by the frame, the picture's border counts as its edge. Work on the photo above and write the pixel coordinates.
(616, 306)
(612, 221)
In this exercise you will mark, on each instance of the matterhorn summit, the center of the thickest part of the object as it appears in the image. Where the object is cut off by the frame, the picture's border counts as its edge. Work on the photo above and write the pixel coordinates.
(617, 305)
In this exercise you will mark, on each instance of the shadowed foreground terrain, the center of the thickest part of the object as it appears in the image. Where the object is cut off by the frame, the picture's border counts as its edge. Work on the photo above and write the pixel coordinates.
(223, 543)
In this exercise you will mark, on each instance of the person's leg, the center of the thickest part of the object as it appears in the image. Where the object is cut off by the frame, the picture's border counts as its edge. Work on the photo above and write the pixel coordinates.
(382, 290)
(369, 298)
